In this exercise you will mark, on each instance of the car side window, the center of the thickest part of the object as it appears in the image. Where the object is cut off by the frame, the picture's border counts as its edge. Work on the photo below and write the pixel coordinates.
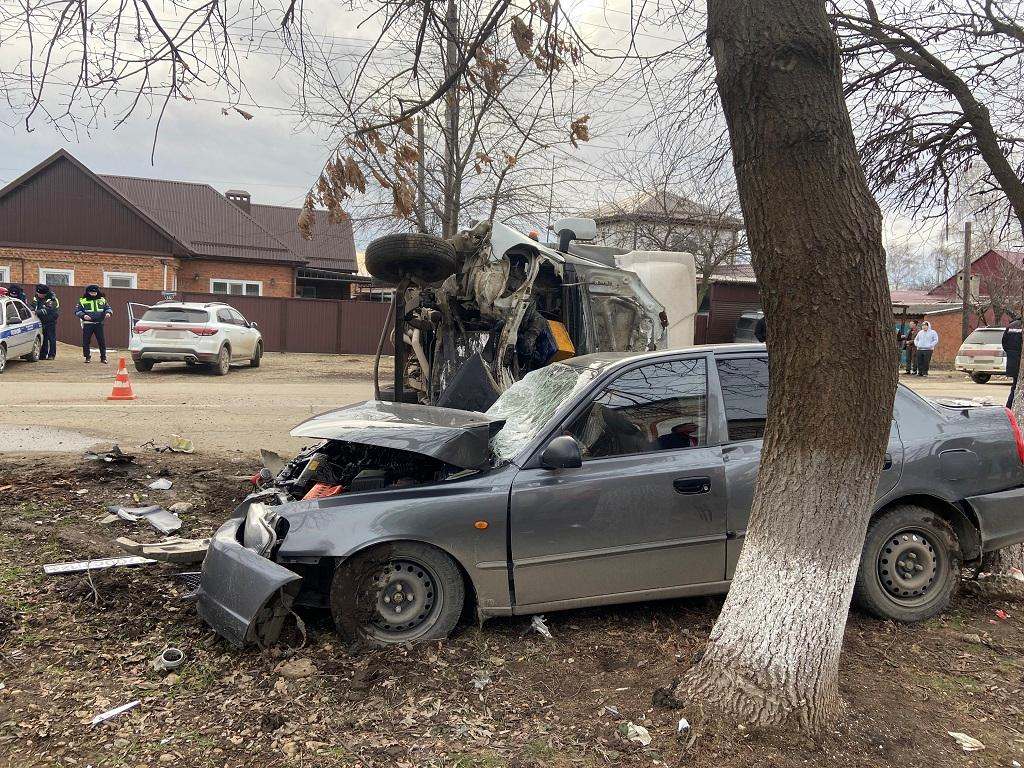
(224, 316)
(656, 407)
(11, 313)
(237, 318)
(744, 383)
(23, 310)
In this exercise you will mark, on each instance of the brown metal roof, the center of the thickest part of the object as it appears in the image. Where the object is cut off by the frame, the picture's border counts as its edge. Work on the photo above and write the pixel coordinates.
(202, 218)
(332, 247)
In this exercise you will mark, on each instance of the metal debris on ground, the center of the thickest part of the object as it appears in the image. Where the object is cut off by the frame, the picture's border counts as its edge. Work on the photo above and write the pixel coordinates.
(114, 456)
(98, 564)
(168, 659)
(636, 733)
(173, 550)
(157, 516)
(160, 484)
(538, 623)
(969, 743)
(110, 713)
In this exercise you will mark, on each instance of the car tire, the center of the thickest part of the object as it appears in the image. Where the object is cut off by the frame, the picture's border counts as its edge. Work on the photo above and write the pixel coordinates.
(143, 366)
(424, 258)
(37, 348)
(3, 357)
(981, 378)
(910, 566)
(257, 355)
(366, 585)
(223, 364)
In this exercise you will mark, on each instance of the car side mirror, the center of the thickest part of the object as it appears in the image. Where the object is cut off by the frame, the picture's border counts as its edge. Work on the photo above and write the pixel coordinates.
(563, 452)
(253, 325)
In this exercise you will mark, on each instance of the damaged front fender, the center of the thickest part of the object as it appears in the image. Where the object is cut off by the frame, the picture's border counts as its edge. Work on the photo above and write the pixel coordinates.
(243, 596)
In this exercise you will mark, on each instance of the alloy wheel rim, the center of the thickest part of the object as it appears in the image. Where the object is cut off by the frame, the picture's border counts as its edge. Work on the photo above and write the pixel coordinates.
(909, 564)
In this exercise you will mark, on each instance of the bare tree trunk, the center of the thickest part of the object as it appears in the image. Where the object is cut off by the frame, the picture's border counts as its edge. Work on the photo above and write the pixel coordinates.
(815, 236)
(452, 176)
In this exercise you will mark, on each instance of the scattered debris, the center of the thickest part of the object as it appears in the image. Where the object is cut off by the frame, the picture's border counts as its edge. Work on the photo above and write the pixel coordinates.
(173, 550)
(98, 564)
(682, 726)
(295, 669)
(969, 743)
(969, 637)
(181, 507)
(155, 515)
(636, 733)
(1014, 573)
(612, 712)
(481, 681)
(1002, 615)
(168, 659)
(114, 456)
(181, 445)
(160, 484)
(541, 626)
(271, 461)
(665, 697)
(111, 713)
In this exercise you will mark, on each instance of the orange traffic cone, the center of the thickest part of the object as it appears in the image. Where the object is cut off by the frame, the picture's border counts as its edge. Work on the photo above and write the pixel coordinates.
(122, 386)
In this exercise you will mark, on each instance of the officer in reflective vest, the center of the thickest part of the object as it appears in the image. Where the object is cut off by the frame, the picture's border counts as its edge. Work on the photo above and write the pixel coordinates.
(93, 310)
(47, 308)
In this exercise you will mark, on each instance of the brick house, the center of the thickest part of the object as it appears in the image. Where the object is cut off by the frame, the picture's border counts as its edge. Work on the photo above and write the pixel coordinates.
(62, 224)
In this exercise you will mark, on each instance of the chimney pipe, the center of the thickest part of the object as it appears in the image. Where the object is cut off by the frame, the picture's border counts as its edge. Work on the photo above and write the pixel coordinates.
(240, 198)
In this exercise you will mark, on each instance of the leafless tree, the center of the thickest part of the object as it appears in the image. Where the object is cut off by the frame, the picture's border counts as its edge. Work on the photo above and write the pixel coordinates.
(905, 266)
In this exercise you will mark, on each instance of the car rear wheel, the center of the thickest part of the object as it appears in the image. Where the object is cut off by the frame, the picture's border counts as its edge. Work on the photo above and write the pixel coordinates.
(37, 348)
(143, 366)
(257, 354)
(980, 378)
(397, 593)
(3, 358)
(223, 364)
(910, 566)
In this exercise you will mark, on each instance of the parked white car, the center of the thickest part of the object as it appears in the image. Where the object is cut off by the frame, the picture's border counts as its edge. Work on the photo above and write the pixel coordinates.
(214, 334)
(21, 333)
(981, 355)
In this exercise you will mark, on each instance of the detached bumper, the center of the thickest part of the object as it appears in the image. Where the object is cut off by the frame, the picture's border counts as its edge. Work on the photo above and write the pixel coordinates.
(244, 597)
(1001, 518)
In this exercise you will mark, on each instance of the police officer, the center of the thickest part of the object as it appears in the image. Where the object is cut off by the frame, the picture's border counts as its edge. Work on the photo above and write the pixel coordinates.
(1011, 349)
(93, 310)
(47, 308)
(14, 291)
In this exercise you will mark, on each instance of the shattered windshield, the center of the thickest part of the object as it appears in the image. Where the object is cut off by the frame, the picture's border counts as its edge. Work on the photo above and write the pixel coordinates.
(528, 405)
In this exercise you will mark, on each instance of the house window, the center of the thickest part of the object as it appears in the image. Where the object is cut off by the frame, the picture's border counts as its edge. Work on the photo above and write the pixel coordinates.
(5, 274)
(120, 280)
(237, 287)
(57, 276)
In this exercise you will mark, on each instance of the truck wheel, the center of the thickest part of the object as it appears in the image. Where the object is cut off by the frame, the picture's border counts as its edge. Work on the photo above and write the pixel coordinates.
(257, 355)
(143, 366)
(910, 566)
(980, 378)
(33, 356)
(223, 364)
(394, 258)
(397, 593)
(3, 357)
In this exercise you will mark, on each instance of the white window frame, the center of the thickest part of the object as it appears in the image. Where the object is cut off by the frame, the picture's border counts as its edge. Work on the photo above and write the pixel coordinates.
(5, 274)
(44, 271)
(244, 283)
(133, 276)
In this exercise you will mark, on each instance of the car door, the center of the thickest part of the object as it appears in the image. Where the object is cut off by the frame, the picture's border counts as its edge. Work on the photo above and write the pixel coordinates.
(744, 385)
(232, 333)
(245, 333)
(19, 341)
(644, 516)
(30, 325)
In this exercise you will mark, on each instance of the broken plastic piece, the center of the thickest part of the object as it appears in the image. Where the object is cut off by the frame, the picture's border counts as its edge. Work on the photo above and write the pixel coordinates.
(969, 743)
(682, 726)
(637, 734)
(173, 550)
(182, 444)
(322, 491)
(541, 626)
(158, 517)
(114, 456)
(168, 659)
(160, 484)
(98, 564)
(104, 716)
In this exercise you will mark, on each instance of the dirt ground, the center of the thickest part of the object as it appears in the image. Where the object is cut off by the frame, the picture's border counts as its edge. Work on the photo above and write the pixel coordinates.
(500, 696)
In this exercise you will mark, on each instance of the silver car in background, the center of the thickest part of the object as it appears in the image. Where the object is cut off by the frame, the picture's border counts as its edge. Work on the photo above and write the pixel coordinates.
(981, 355)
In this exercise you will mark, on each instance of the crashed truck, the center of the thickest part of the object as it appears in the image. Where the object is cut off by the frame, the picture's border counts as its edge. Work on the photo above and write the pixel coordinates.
(476, 313)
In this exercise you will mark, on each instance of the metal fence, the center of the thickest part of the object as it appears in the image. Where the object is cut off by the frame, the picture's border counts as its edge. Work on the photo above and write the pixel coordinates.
(287, 325)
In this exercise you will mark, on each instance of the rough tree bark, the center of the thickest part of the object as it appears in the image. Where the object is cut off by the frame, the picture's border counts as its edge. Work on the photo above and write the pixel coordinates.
(815, 236)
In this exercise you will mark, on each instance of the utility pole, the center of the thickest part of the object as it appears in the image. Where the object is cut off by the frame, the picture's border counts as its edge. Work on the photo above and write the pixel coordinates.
(965, 278)
(421, 180)
(452, 180)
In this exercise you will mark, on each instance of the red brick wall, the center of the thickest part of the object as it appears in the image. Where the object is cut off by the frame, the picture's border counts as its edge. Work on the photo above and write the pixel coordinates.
(947, 325)
(25, 263)
(278, 280)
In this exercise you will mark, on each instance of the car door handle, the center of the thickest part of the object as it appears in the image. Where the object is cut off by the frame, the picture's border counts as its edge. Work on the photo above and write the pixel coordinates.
(887, 464)
(692, 485)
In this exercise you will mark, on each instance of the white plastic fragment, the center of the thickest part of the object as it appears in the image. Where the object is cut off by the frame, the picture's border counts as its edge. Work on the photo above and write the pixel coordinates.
(969, 743)
(98, 564)
(1015, 573)
(181, 444)
(638, 734)
(104, 716)
(481, 682)
(682, 726)
(168, 659)
(160, 484)
(541, 626)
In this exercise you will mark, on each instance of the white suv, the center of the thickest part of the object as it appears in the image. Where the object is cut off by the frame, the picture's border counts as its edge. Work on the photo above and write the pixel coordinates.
(981, 355)
(213, 333)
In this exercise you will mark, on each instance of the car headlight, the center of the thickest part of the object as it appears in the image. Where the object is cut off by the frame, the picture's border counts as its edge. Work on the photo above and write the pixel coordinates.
(258, 533)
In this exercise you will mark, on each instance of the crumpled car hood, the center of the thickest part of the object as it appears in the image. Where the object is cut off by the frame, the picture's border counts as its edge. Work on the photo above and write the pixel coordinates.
(459, 438)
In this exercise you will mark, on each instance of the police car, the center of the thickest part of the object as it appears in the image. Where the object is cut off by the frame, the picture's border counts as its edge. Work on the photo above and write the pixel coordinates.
(21, 333)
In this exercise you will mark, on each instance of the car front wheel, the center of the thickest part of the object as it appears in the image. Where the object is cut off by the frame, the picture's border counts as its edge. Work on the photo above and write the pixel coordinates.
(397, 593)
(257, 355)
(910, 566)
(980, 378)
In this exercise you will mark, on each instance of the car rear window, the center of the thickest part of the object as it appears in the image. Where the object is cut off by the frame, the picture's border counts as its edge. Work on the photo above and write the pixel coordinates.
(985, 336)
(175, 315)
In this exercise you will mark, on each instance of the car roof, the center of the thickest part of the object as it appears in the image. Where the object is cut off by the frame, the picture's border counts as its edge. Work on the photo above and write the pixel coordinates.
(612, 359)
(189, 305)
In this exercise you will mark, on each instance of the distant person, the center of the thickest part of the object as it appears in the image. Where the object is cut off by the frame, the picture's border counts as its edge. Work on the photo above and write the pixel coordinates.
(761, 330)
(926, 341)
(1011, 348)
(93, 310)
(681, 436)
(47, 309)
(908, 345)
(15, 292)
